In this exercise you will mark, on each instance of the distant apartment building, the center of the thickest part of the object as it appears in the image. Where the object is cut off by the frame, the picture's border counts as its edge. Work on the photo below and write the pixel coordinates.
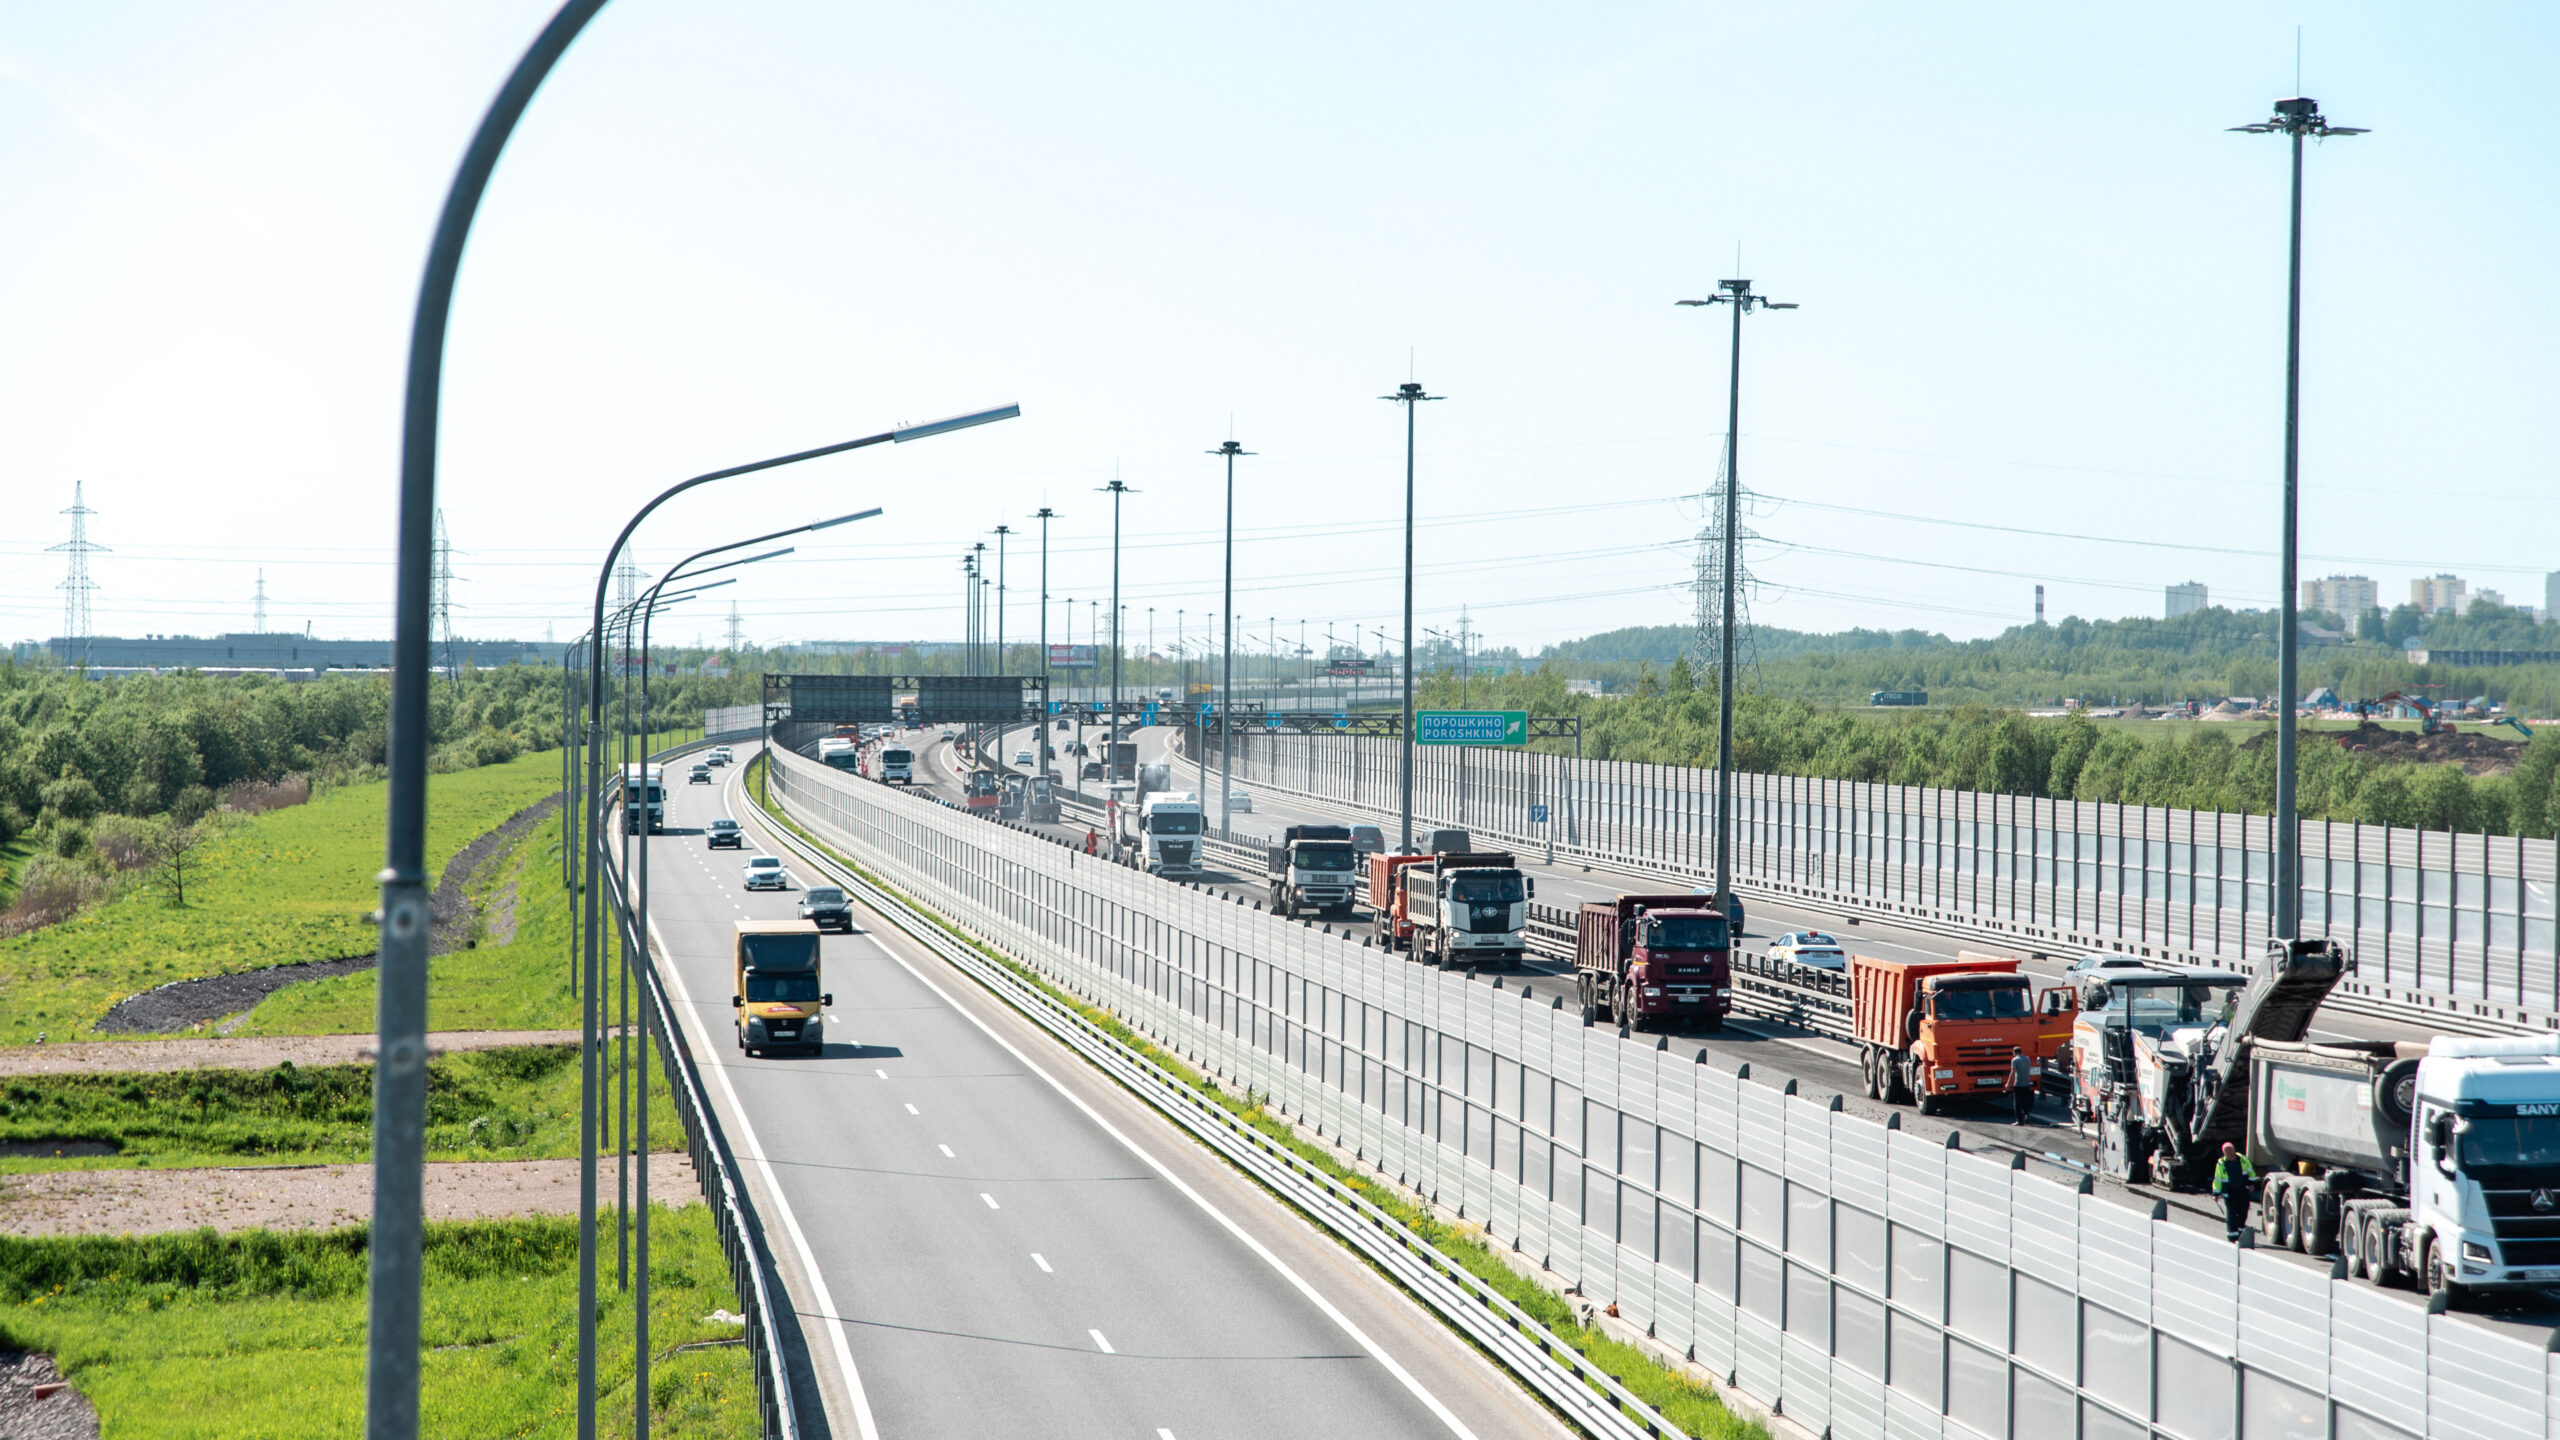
(2440, 592)
(2488, 597)
(2344, 595)
(2187, 599)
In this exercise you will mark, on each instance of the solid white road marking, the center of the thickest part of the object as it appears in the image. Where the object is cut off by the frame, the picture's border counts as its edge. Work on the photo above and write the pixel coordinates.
(990, 1199)
(1360, 1337)
(1105, 1344)
(868, 1428)
(1043, 1264)
(946, 1152)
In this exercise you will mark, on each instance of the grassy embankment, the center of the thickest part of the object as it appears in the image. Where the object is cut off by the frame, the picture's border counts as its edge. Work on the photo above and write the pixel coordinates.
(518, 1103)
(288, 886)
(1681, 1399)
(262, 1334)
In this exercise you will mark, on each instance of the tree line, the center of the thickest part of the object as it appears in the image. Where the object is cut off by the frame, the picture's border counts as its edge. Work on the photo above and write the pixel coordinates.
(1988, 748)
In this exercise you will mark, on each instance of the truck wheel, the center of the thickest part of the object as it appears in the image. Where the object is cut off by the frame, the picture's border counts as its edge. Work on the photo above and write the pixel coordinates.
(2315, 1220)
(1587, 1011)
(1867, 1074)
(2275, 1213)
(1929, 1104)
(2435, 1274)
(1890, 1075)
(2351, 1242)
(2380, 1241)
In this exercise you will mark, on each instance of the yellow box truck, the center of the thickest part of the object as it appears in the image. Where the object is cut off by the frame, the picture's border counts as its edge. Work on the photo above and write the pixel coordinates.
(776, 987)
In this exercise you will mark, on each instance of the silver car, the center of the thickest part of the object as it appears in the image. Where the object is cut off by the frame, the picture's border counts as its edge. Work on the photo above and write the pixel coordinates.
(765, 873)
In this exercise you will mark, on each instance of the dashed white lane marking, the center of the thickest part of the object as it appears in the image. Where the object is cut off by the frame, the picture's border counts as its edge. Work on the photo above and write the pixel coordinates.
(990, 1199)
(1163, 1434)
(1105, 1344)
(883, 1074)
(946, 1152)
(912, 1110)
(1043, 1264)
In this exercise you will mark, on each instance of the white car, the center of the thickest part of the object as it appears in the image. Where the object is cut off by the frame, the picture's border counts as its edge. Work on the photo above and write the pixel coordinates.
(1239, 803)
(720, 755)
(1022, 757)
(765, 873)
(1811, 949)
(2097, 962)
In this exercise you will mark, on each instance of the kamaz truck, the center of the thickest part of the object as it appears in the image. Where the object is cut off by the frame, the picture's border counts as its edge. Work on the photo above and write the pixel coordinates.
(1465, 908)
(2433, 1163)
(1647, 960)
(1311, 869)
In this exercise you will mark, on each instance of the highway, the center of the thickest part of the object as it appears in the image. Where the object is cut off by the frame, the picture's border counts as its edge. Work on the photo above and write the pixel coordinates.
(984, 1236)
(1775, 1053)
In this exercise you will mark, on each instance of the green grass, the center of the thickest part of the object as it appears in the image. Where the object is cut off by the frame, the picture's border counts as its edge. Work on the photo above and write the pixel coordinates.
(262, 1334)
(1681, 1399)
(521, 985)
(13, 855)
(516, 1103)
(290, 885)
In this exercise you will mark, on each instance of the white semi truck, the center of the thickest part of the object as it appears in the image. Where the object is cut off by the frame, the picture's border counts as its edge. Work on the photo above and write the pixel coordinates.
(1312, 868)
(2435, 1163)
(1162, 833)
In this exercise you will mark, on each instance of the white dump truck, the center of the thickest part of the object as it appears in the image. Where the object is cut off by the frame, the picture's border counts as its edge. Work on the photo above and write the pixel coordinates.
(2435, 1163)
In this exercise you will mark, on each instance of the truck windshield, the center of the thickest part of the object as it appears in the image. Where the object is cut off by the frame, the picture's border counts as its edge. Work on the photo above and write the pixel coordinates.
(1182, 822)
(1324, 857)
(780, 952)
(786, 989)
(2157, 1009)
(2523, 1140)
(2005, 1003)
(1486, 890)
(896, 757)
(1685, 932)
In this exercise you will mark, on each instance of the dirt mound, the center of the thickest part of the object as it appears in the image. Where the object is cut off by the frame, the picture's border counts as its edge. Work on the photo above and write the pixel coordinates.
(2476, 753)
(182, 1003)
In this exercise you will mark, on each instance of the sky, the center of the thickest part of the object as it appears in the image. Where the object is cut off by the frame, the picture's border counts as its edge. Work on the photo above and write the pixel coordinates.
(2041, 334)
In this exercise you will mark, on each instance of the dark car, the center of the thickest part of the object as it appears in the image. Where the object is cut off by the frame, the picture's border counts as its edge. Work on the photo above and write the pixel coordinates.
(1093, 769)
(825, 907)
(727, 834)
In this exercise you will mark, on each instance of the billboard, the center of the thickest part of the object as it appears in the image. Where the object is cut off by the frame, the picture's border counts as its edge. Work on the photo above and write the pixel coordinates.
(1348, 665)
(1070, 657)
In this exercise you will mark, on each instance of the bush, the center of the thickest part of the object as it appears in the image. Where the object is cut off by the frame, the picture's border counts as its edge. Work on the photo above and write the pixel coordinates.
(50, 890)
(72, 796)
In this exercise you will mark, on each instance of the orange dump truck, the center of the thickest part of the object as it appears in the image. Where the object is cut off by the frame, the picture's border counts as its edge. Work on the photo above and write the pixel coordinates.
(1931, 1031)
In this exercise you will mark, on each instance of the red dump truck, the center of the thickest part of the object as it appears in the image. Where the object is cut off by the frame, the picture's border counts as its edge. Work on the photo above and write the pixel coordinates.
(1930, 1031)
(1647, 960)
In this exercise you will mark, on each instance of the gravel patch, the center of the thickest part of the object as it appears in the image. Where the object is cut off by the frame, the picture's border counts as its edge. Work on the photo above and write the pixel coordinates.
(182, 1003)
(36, 1403)
(303, 1197)
(264, 1052)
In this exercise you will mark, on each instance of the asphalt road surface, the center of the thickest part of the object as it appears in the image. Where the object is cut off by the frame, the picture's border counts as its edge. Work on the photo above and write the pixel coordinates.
(1775, 1052)
(982, 1236)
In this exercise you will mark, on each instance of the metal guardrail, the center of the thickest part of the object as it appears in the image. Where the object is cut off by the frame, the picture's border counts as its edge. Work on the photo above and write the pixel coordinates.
(1585, 1395)
(723, 1186)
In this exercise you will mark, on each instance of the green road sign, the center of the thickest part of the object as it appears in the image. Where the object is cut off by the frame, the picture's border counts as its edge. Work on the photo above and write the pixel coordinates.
(1471, 727)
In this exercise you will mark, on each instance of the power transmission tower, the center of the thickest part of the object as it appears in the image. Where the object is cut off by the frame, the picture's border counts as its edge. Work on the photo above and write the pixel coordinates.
(1706, 633)
(626, 591)
(440, 598)
(258, 609)
(736, 640)
(77, 585)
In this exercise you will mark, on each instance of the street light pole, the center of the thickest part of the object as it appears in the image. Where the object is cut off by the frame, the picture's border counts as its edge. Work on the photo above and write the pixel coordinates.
(1410, 396)
(394, 1254)
(1045, 516)
(590, 1018)
(1227, 663)
(1111, 730)
(978, 606)
(2295, 119)
(1738, 294)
